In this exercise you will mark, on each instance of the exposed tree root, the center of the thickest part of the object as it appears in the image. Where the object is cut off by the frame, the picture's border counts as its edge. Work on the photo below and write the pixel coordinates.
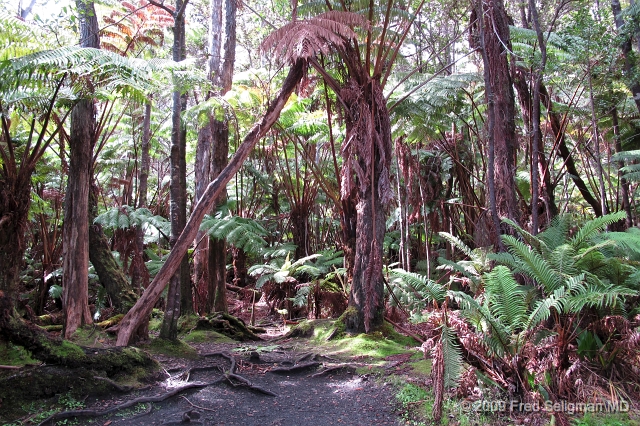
(133, 402)
(231, 374)
(296, 367)
(332, 369)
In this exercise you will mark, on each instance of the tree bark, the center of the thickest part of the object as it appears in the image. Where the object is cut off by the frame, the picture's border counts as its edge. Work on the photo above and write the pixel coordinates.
(139, 313)
(75, 278)
(366, 168)
(178, 291)
(492, 37)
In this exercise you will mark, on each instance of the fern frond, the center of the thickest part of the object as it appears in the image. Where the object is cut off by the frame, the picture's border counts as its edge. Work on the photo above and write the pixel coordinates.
(451, 357)
(591, 228)
(498, 339)
(418, 285)
(457, 243)
(534, 265)
(244, 233)
(309, 37)
(506, 297)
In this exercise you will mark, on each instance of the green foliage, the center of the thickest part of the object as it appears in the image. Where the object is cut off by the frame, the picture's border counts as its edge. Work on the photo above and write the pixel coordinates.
(127, 217)
(244, 233)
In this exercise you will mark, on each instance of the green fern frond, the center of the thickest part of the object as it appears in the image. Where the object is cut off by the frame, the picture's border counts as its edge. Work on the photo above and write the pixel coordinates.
(418, 285)
(497, 339)
(244, 233)
(534, 265)
(451, 357)
(506, 297)
(594, 226)
(457, 243)
(556, 233)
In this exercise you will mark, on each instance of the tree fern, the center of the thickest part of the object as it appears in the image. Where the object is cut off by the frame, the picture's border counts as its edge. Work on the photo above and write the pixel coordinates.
(451, 356)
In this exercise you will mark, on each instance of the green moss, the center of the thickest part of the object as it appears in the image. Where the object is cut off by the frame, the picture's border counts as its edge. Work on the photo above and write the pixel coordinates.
(14, 355)
(67, 350)
(92, 337)
(175, 348)
(208, 336)
(606, 419)
(186, 323)
(422, 367)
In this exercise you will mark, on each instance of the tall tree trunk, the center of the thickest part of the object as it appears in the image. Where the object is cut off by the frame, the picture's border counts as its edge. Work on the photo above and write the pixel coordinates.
(366, 170)
(547, 188)
(140, 276)
(491, 34)
(75, 278)
(624, 184)
(220, 132)
(141, 310)
(535, 118)
(175, 293)
(218, 247)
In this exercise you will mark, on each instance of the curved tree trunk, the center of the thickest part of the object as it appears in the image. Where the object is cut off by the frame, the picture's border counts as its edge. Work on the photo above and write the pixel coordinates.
(111, 276)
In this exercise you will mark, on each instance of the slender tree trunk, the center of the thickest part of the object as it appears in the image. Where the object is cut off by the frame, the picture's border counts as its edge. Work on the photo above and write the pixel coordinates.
(565, 153)
(175, 293)
(535, 118)
(140, 312)
(624, 184)
(220, 131)
(140, 276)
(75, 279)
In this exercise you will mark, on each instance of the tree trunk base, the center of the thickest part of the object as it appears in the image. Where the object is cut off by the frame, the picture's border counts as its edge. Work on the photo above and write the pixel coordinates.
(228, 325)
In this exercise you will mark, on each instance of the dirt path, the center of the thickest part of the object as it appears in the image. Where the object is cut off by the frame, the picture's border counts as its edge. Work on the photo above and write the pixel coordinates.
(339, 397)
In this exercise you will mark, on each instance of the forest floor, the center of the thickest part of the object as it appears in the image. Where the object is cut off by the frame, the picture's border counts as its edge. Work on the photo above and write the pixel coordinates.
(213, 380)
(320, 377)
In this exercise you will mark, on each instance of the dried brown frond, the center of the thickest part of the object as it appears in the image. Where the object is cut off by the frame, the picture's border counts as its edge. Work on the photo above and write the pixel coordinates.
(309, 37)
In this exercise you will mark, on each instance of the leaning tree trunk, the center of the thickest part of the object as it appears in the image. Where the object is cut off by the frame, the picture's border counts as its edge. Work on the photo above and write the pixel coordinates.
(366, 168)
(141, 310)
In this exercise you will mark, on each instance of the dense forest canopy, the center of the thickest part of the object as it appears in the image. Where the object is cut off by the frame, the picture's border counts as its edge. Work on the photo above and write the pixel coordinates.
(339, 158)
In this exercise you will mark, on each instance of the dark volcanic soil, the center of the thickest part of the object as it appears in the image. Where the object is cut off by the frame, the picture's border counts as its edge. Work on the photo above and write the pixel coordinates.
(341, 397)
